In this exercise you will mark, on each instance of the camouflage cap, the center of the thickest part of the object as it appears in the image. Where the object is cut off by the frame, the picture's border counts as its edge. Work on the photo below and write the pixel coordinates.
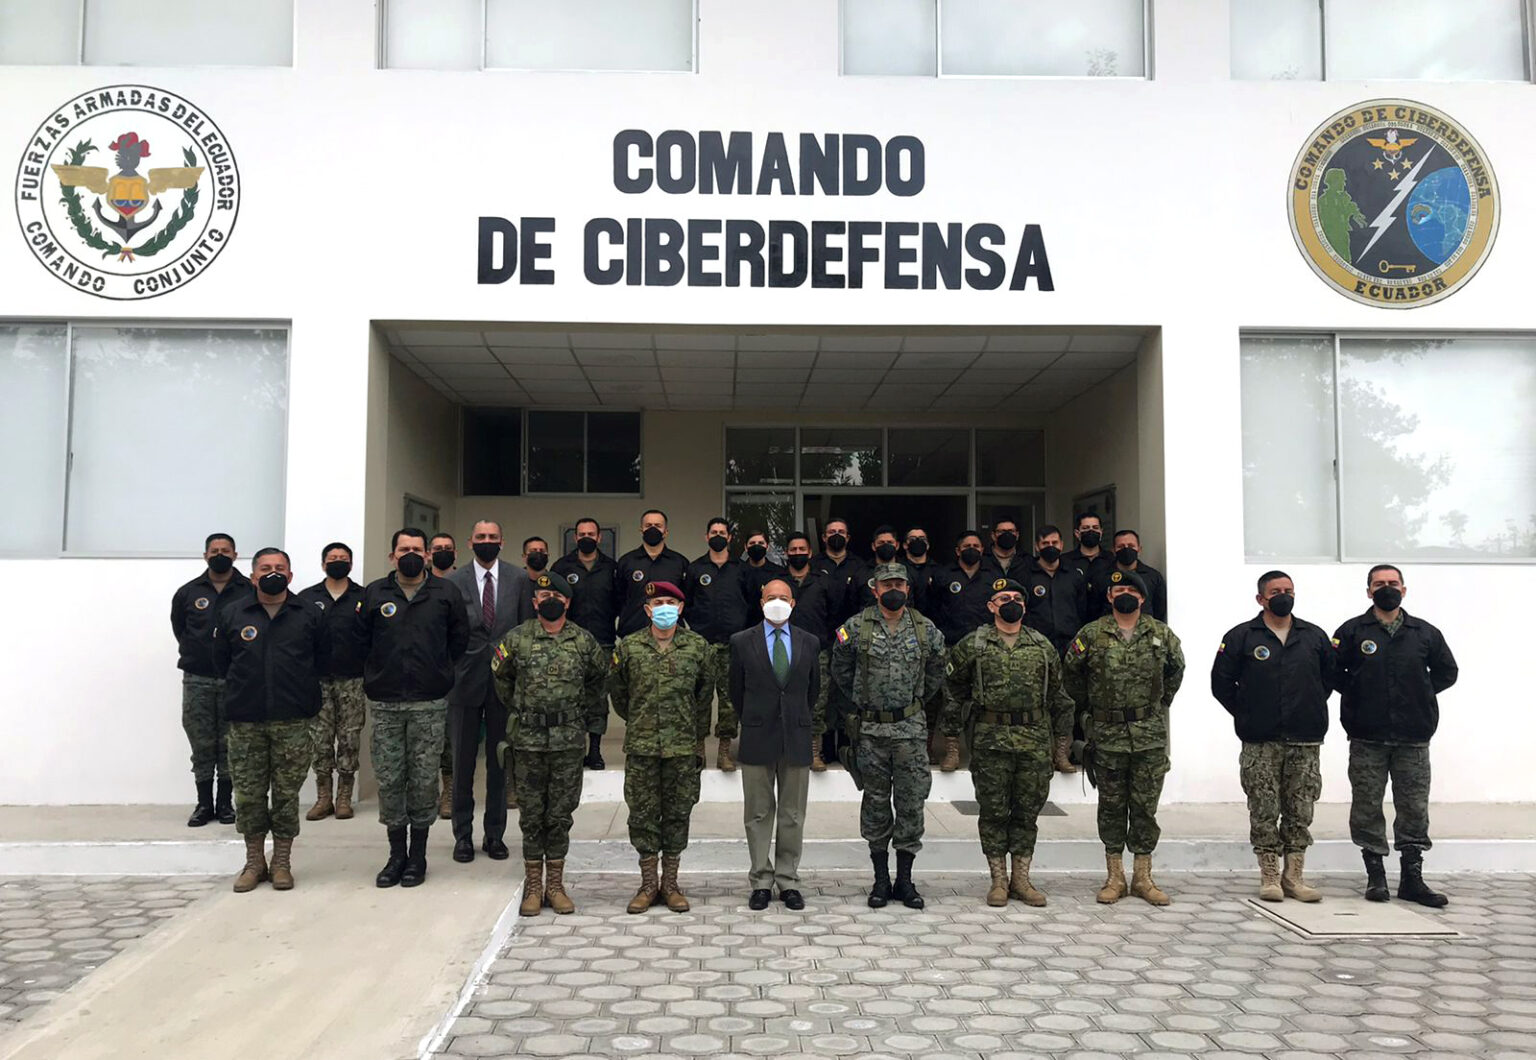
(885, 572)
(1127, 577)
(554, 583)
(1006, 585)
(655, 589)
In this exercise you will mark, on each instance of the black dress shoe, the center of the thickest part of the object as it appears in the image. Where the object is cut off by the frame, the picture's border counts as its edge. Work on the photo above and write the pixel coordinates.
(464, 849)
(760, 899)
(202, 813)
(495, 849)
(792, 900)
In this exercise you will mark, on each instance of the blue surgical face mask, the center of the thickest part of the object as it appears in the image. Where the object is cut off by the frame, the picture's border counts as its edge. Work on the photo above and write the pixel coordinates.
(664, 616)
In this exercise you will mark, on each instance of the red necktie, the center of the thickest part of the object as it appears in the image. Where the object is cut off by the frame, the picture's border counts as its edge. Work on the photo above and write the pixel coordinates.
(488, 602)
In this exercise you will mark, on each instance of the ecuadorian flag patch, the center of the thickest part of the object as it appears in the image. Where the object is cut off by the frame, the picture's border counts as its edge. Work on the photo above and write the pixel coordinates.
(1335, 642)
(842, 634)
(1078, 646)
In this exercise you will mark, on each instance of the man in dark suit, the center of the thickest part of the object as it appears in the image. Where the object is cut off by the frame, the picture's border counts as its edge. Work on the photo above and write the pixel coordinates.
(497, 597)
(774, 679)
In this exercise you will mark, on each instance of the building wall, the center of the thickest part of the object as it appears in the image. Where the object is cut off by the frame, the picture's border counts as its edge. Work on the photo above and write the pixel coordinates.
(1094, 441)
(422, 454)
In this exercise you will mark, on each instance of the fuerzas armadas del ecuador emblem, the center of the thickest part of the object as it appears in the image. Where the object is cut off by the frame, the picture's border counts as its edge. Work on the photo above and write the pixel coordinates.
(1393, 203)
(127, 192)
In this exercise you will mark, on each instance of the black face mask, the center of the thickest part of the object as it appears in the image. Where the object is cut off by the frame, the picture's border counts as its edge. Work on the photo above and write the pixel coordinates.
(1125, 555)
(893, 599)
(1090, 538)
(586, 546)
(486, 551)
(220, 564)
(652, 535)
(1050, 553)
(411, 564)
(837, 542)
(1127, 604)
(970, 556)
(551, 608)
(272, 584)
(917, 547)
(1387, 598)
(885, 552)
(1007, 540)
(1281, 604)
(442, 559)
(1010, 612)
(338, 569)
(757, 553)
(797, 562)
(718, 542)
(537, 560)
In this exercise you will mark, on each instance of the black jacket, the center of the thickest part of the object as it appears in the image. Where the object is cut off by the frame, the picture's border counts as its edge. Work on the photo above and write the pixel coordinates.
(1156, 603)
(813, 606)
(635, 568)
(846, 583)
(1095, 572)
(922, 585)
(1276, 693)
(962, 602)
(775, 721)
(593, 604)
(1389, 684)
(720, 599)
(1055, 606)
(340, 622)
(271, 665)
(409, 646)
(194, 612)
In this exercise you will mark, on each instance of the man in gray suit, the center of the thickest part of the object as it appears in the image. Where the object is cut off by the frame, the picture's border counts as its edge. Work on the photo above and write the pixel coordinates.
(774, 678)
(497, 597)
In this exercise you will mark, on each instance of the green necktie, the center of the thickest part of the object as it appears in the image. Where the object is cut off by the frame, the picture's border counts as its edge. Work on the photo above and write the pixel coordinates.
(780, 658)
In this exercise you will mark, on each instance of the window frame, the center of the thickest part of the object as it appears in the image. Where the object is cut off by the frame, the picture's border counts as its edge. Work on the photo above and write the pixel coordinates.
(84, 14)
(586, 414)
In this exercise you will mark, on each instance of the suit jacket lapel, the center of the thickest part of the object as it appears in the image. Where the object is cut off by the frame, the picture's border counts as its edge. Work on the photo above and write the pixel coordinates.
(504, 597)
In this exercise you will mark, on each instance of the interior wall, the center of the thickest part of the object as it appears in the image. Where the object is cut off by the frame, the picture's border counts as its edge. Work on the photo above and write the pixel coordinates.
(422, 455)
(368, 559)
(1151, 519)
(1093, 441)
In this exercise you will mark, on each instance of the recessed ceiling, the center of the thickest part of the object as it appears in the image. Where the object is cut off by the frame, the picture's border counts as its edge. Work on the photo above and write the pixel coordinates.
(898, 372)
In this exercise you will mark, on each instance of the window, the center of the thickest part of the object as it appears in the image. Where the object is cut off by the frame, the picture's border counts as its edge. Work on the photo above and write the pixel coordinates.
(1010, 457)
(998, 38)
(583, 452)
(651, 35)
(760, 456)
(1431, 40)
(840, 456)
(1361, 448)
(493, 452)
(146, 32)
(929, 457)
(141, 440)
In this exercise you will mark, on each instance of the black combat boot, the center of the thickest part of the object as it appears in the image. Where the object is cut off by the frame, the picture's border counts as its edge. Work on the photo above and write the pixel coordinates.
(389, 875)
(223, 804)
(203, 812)
(594, 759)
(880, 893)
(1375, 878)
(1410, 884)
(416, 859)
(905, 889)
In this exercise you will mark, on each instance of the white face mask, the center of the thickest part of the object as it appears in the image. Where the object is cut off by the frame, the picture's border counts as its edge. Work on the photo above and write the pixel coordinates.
(777, 611)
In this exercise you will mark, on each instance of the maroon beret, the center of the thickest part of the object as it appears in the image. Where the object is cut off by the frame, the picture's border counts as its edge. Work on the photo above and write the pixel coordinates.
(663, 589)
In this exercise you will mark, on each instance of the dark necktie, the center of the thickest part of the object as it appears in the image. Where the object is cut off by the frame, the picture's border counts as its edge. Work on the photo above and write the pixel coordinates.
(780, 659)
(488, 602)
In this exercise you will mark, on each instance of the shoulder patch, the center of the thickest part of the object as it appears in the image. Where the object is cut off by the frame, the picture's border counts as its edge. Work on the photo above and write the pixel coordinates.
(359, 608)
(842, 634)
(1079, 646)
(1222, 647)
(1335, 641)
(615, 658)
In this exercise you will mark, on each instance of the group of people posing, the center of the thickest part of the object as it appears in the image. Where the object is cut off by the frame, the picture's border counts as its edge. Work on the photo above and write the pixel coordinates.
(1010, 650)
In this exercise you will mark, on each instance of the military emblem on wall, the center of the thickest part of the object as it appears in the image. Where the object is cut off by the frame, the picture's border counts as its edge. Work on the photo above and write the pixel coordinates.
(1393, 203)
(127, 192)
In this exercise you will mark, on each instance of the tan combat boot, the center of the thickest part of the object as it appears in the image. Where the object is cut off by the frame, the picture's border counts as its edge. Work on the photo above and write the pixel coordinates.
(1061, 761)
(1114, 884)
(344, 796)
(1292, 883)
(255, 870)
(1141, 882)
(1020, 887)
(554, 892)
(533, 889)
(951, 760)
(997, 894)
(323, 806)
(675, 899)
(282, 864)
(818, 764)
(645, 897)
(1269, 877)
(445, 798)
(723, 760)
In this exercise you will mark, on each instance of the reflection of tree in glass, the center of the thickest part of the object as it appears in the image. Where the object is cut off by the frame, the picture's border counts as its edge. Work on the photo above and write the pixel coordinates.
(181, 361)
(771, 515)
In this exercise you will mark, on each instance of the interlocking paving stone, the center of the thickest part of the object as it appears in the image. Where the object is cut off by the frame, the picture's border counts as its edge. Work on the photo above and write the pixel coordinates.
(1206, 977)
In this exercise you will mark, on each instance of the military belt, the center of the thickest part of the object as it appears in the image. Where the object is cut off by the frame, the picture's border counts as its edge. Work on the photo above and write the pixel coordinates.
(1123, 717)
(1018, 717)
(551, 721)
(888, 717)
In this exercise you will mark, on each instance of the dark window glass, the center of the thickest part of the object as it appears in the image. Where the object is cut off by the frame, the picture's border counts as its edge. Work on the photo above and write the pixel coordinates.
(930, 457)
(613, 452)
(555, 461)
(493, 452)
(1010, 458)
(760, 456)
(840, 456)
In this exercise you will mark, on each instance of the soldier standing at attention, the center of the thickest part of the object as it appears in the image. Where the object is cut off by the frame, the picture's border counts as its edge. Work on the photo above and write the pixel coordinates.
(591, 573)
(720, 589)
(652, 561)
(411, 631)
(1007, 678)
(1391, 666)
(889, 660)
(338, 728)
(549, 672)
(194, 614)
(1274, 675)
(271, 650)
(661, 685)
(1091, 560)
(1124, 669)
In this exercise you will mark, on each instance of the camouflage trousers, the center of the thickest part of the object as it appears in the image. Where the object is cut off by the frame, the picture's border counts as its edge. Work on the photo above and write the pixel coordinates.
(406, 740)
(726, 726)
(896, 785)
(661, 794)
(548, 792)
(338, 728)
(206, 726)
(1370, 767)
(269, 758)
(1282, 782)
(1011, 789)
(819, 708)
(1130, 785)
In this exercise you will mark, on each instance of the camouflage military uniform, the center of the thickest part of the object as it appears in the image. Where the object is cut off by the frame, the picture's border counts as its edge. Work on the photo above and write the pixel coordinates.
(269, 756)
(726, 726)
(338, 728)
(664, 698)
(1127, 686)
(552, 685)
(888, 675)
(407, 738)
(1017, 704)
